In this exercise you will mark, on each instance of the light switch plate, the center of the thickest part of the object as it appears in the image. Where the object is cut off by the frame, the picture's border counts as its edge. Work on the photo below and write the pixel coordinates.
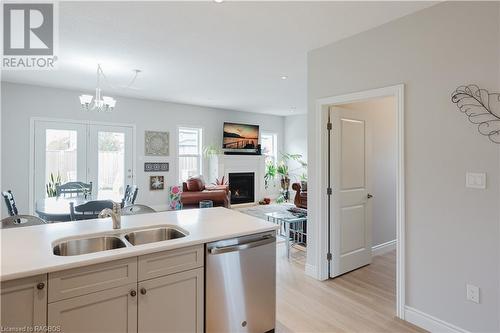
(472, 293)
(475, 180)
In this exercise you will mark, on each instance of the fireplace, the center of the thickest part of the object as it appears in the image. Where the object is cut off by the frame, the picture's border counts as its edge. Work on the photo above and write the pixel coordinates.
(242, 187)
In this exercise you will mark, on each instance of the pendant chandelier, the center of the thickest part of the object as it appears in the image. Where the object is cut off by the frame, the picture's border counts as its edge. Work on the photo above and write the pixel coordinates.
(98, 102)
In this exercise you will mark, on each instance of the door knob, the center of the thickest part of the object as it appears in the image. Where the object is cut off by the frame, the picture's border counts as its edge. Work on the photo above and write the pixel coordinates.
(133, 293)
(143, 291)
(369, 196)
(40, 286)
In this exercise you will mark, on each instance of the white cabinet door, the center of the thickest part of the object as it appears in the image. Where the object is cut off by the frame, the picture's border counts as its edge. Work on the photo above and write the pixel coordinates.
(24, 302)
(173, 303)
(110, 160)
(351, 209)
(111, 310)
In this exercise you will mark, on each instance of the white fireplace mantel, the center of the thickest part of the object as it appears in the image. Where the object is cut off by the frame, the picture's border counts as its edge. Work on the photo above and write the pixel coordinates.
(223, 165)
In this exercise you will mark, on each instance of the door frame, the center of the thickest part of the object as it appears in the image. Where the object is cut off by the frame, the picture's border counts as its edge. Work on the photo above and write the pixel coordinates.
(319, 239)
(33, 120)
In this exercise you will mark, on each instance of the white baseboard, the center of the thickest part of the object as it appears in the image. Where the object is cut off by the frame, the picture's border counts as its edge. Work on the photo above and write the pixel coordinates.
(244, 205)
(384, 248)
(430, 323)
(311, 271)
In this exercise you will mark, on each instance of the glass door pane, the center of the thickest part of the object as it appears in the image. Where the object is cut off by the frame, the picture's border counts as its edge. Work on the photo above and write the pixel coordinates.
(111, 164)
(110, 160)
(60, 149)
(60, 152)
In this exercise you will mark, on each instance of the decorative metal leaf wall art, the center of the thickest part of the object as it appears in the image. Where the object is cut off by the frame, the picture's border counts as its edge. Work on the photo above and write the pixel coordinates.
(482, 109)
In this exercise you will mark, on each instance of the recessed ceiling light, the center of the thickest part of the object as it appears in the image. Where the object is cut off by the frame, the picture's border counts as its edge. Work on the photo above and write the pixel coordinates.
(218, 1)
(284, 77)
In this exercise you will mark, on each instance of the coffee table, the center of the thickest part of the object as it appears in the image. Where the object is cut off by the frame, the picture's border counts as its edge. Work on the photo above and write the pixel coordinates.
(289, 224)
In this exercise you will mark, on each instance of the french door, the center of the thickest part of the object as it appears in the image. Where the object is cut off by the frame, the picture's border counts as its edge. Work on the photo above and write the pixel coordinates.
(76, 151)
(109, 159)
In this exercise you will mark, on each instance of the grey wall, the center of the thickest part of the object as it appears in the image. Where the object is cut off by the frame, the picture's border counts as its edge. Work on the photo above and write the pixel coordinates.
(296, 143)
(296, 138)
(452, 233)
(21, 102)
(381, 117)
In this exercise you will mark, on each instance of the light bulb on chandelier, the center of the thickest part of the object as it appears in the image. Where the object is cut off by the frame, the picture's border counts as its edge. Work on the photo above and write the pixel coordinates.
(99, 102)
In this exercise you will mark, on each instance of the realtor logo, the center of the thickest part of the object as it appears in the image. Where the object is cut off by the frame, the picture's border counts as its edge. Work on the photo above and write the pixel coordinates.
(29, 32)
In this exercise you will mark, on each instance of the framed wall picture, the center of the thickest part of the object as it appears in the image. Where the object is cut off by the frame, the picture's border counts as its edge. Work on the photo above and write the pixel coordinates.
(156, 167)
(156, 143)
(156, 183)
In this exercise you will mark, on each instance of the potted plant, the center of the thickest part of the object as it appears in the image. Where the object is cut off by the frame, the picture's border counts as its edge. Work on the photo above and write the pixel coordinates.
(283, 171)
(211, 150)
(270, 174)
(303, 182)
(51, 185)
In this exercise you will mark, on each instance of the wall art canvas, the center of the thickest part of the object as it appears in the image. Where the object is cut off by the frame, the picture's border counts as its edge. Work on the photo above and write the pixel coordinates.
(156, 143)
(240, 136)
(156, 183)
(156, 167)
(174, 198)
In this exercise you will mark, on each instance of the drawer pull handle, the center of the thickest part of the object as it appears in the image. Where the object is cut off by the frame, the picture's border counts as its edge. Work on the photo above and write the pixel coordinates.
(133, 293)
(40, 286)
(143, 291)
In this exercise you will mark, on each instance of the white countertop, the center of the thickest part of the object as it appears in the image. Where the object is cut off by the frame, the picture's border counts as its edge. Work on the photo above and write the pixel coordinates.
(27, 251)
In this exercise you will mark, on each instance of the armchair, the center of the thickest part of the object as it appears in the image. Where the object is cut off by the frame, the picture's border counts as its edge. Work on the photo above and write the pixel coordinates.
(300, 196)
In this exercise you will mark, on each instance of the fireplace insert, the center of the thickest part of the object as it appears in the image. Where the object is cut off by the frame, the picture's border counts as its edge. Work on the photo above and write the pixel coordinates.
(242, 187)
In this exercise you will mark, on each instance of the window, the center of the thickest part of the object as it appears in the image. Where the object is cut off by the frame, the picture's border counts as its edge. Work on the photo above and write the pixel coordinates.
(190, 158)
(269, 143)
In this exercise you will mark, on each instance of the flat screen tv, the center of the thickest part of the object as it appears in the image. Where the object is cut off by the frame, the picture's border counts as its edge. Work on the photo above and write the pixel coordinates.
(240, 137)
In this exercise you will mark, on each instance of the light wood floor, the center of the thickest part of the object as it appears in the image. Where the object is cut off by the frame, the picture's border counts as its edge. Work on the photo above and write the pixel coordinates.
(360, 301)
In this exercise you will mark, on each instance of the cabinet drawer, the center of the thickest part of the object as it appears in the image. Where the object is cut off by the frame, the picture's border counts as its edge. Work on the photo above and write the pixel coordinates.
(89, 279)
(168, 262)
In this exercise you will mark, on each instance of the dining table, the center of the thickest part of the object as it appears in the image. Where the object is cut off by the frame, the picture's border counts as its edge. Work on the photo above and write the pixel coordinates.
(56, 209)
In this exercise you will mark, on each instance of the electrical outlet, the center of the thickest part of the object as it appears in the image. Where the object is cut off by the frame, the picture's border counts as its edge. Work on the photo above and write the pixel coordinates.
(472, 293)
(475, 180)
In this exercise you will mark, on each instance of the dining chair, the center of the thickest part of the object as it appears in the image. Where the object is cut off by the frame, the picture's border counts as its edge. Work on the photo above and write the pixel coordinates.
(130, 195)
(20, 221)
(88, 210)
(73, 189)
(10, 202)
(137, 209)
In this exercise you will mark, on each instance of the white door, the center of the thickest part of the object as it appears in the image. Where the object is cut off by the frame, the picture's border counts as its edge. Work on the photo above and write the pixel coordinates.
(78, 151)
(110, 163)
(60, 149)
(350, 205)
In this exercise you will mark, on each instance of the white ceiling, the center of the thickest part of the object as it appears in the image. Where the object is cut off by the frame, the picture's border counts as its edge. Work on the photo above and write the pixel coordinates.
(230, 55)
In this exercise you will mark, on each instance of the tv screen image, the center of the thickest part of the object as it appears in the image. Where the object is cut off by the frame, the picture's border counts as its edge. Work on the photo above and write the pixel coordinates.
(240, 136)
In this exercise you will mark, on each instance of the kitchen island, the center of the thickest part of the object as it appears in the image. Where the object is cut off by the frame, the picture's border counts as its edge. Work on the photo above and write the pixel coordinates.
(146, 287)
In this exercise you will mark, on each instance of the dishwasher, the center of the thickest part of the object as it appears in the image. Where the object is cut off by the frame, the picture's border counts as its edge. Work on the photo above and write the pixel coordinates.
(240, 284)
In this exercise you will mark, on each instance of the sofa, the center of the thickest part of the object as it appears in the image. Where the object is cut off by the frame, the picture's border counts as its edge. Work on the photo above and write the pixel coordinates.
(195, 190)
(300, 196)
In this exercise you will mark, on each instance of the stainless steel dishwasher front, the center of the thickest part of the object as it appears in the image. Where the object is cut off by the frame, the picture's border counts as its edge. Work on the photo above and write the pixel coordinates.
(240, 293)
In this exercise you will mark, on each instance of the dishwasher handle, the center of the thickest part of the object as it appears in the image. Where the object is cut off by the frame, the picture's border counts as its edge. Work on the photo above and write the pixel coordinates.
(244, 246)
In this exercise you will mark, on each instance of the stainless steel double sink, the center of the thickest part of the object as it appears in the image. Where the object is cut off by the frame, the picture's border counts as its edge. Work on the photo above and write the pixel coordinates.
(79, 246)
